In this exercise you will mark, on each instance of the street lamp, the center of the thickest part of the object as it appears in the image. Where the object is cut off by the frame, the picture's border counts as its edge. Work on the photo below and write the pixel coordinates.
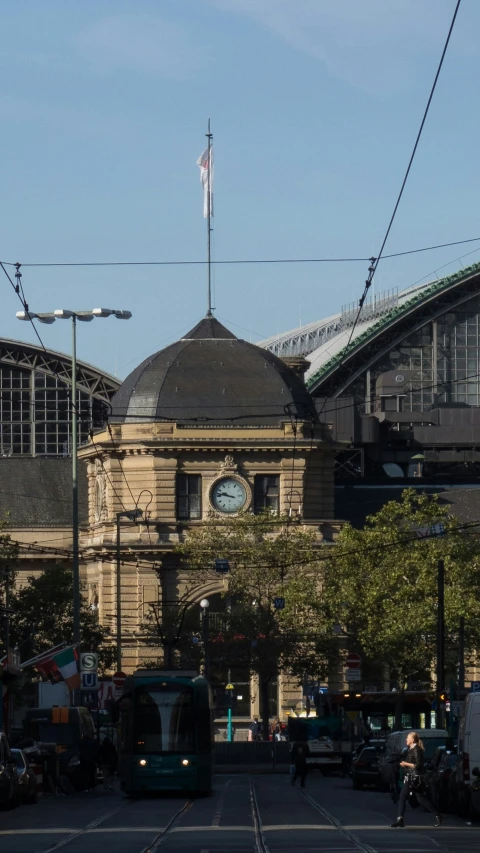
(205, 604)
(84, 317)
(132, 515)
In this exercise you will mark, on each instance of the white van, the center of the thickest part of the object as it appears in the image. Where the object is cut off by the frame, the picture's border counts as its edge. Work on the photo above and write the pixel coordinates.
(468, 755)
(396, 741)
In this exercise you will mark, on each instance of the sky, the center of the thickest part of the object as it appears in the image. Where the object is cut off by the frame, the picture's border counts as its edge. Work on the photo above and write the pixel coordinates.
(314, 108)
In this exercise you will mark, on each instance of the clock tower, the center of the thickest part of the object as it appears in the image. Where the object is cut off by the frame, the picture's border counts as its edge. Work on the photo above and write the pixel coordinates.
(210, 424)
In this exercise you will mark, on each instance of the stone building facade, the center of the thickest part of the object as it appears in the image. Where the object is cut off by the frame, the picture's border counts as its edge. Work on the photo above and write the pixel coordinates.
(211, 424)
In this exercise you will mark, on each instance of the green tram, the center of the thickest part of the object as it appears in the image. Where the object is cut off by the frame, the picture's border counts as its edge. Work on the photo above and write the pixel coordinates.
(166, 733)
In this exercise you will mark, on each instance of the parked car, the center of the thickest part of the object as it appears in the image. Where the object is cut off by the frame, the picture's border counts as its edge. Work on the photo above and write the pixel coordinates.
(438, 777)
(395, 743)
(9, 788)
(475, 794)
(365, 768)
(462, 778)
(27, 778)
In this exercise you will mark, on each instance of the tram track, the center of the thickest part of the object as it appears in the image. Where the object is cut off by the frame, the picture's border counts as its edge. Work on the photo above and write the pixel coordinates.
(360, 845)
(78, 833)
(259, 838)
(163, 835)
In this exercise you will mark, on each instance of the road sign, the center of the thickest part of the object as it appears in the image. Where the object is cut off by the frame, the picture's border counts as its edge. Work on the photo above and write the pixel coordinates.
(230, 687)
(353, 661)
(279, 603)
(475, 687)
(352, 715)
(353, 675)
(222, 566)
(119, 679)
(89, 681)
(88, 662)
(89, 698)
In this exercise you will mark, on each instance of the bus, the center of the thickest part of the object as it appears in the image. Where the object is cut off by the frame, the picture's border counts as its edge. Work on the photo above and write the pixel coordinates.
(165, 733)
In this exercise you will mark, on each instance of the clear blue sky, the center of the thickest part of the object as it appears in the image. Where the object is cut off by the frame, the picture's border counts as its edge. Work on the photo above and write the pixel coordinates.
(314, 107)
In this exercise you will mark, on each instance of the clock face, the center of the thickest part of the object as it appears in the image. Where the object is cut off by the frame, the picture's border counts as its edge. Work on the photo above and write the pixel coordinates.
(229, 495)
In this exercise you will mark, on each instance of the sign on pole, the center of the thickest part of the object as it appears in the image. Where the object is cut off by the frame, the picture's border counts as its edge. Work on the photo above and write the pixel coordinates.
(88, 662)
(475, 687)
(352, 715)
(119, 680)
(353, 661)
(89, 681)
(279, 603)
(353, 675)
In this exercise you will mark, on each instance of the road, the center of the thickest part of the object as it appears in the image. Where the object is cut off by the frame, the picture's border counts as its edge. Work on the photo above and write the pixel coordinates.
(245, 814)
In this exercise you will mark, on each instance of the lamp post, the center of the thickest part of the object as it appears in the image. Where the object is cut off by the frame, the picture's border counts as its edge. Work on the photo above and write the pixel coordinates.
(205, 604)
(84, 317)
(132, 515)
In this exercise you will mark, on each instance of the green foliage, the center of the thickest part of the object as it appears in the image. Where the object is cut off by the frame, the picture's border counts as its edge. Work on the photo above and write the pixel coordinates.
(43, 617)
(381, 584)
(270, 557)
(8, 560)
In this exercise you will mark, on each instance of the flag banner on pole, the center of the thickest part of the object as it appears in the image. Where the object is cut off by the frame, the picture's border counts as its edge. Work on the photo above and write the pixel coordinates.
(206, 167)
(49, 670)
(67, 664)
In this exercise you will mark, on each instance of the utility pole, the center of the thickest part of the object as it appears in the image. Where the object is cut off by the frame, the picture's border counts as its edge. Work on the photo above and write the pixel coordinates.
(440, 707)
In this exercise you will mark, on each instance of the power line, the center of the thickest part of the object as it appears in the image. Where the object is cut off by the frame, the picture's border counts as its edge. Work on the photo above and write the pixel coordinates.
(239, 261)
(375, 261)
(18, 288)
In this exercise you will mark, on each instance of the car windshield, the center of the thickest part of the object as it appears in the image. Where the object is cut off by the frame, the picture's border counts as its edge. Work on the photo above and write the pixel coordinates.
(164, 719)
(60, 733)
(18, 757)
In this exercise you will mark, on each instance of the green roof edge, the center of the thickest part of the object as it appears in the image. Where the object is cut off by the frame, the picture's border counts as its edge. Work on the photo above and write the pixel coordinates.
(394, 313)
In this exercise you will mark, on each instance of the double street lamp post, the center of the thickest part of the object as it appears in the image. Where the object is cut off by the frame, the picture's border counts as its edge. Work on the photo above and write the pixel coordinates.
(84, 317)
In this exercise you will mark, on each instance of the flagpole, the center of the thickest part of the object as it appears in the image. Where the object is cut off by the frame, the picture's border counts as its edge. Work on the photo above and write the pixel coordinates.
(209, 226)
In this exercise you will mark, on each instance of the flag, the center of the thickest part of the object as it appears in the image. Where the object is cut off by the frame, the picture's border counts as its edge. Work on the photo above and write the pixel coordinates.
(205, 163)
(48, 669)
(67, 664)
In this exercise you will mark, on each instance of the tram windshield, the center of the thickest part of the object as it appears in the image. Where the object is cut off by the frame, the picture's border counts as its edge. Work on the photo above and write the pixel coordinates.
(164, 718)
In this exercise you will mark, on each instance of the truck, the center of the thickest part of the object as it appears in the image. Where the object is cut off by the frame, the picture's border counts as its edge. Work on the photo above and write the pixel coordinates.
(49, 694)
(322, 735)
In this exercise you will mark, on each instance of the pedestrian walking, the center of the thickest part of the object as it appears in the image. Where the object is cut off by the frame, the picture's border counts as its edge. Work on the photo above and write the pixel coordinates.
(299, 754)
(107, 759)
(88, 762)
(254, 730)
(414, 783)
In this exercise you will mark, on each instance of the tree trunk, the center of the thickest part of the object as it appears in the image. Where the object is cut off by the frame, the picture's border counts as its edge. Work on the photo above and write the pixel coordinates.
(399, 709)
(264, 707)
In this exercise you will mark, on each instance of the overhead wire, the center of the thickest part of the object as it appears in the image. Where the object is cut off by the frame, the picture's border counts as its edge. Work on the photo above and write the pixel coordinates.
(18, 288)
(240, 261)
(374, 261)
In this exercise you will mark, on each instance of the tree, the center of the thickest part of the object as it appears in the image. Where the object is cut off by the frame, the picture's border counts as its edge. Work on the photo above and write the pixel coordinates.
(381, 584)
(8, 559)
(43, 617)
(270, 558)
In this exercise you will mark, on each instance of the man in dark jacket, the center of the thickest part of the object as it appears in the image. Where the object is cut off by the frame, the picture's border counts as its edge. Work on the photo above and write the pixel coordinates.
(107, 759)
(299, 754)
(88, 762)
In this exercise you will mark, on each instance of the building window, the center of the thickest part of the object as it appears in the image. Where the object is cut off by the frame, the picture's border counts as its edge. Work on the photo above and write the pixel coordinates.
(189, 503)
(267, 491)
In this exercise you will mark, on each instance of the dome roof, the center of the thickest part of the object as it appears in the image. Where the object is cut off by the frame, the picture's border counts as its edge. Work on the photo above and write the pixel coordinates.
(214, 377)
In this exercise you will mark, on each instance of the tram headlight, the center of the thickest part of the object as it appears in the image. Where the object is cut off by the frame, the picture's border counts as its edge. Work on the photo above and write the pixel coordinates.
(143, 762)
(185, 762)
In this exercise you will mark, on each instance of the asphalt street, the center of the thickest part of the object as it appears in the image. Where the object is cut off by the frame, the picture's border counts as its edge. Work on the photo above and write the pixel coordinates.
(263, 814)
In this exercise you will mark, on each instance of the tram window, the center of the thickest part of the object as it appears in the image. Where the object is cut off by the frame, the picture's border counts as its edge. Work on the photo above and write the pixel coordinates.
(164, 719)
